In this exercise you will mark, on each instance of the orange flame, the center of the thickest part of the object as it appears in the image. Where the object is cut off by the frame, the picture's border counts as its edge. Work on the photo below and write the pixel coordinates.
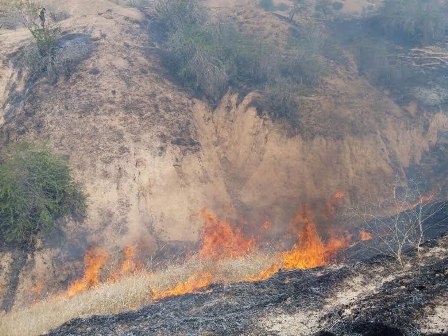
(365, 236)
(309, 251)
(94, 260)
(192, 284)
(267, 225)
(37, 290)
(335, 201)
(423, 200)
(127, 267)
(266, 274)
(220, 240)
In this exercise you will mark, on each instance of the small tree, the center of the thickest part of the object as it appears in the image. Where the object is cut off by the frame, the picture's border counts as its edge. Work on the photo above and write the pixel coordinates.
(296, 7)
(36, 190)
(407, 226)
(44, 60)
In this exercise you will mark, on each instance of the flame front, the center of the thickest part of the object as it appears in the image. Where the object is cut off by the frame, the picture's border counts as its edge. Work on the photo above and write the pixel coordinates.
(127, 267)
(309, 251)
(423, 200)
(220, 241)
(192, 284)
(94, 260)
(365, 236)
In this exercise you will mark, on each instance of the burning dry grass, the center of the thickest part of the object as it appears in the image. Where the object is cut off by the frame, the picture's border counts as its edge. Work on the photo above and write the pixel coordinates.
(225, 256)
(129, 293)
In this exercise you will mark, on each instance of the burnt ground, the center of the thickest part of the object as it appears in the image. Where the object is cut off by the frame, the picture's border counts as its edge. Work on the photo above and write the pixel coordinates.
(371, 297)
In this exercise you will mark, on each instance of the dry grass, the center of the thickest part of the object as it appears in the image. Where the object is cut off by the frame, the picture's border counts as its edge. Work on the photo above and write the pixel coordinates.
(127, 294)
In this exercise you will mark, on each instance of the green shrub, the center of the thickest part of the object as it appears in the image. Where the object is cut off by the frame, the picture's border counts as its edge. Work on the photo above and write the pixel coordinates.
(45, 39)
(36, 190)
(194, 57)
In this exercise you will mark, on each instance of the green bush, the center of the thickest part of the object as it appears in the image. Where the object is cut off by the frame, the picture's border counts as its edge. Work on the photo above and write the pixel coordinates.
(45, 39)
(36, 190)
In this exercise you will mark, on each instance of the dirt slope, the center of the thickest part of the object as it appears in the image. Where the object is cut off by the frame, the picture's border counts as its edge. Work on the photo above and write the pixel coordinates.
(150, 155)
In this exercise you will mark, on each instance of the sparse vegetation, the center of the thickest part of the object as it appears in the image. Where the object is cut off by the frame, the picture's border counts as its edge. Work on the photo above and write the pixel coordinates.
(127, 294)
(42, 58)
(282, 99)
(36, 190)
(379, 67)
(416, 20)
(407, 227)
(269, 5)
(210, 57)
(49, 54)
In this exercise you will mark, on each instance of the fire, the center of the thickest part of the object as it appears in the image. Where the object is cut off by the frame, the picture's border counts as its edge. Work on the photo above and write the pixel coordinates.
(365, 236)
(94, 260)
(335, 201)
(220, 240)
(192, 284)
(127, 267)
(266, 274)
(423, 200)
(309, 251)
(267, 225)
(37, 290)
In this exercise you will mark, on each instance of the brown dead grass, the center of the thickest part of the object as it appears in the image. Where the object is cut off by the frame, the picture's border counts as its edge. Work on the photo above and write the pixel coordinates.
(125, 295)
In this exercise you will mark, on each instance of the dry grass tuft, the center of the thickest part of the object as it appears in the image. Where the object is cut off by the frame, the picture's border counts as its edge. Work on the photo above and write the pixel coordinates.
(127, 294)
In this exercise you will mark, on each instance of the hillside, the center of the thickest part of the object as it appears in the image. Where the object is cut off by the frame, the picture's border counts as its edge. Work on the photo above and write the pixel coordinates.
(150, 152)
(369, 298)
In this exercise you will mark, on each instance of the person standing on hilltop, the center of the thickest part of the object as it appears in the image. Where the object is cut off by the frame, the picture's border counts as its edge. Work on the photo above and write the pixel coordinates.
(41, 14)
